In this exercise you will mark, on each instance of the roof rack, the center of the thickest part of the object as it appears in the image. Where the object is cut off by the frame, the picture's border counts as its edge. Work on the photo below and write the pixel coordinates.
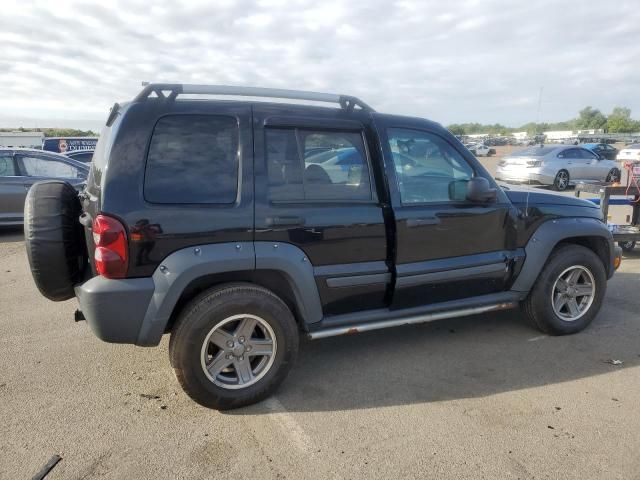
(171, 90)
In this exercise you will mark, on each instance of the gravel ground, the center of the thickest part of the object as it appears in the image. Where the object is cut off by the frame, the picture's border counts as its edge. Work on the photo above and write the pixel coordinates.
(477, 397)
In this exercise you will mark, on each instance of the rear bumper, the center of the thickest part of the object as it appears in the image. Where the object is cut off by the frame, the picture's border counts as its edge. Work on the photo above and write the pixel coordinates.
(115, 309)
(524, 175)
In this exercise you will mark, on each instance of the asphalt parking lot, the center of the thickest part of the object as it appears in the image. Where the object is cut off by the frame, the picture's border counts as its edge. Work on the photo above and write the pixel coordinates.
(476, 397)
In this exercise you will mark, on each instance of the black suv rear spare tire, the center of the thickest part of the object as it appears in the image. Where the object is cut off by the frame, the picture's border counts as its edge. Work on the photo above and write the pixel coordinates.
(54, 238)
(233, 345)
(568, 292)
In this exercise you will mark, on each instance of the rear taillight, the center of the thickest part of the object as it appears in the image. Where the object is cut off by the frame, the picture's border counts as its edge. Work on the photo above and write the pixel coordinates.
(111, 255)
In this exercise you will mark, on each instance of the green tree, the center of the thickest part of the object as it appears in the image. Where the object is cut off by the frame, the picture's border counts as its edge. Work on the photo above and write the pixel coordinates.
(590, 117)
(620, 121)
(457, 129)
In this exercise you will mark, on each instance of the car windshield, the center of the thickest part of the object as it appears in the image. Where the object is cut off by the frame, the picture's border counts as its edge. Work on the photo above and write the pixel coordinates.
(533, 152)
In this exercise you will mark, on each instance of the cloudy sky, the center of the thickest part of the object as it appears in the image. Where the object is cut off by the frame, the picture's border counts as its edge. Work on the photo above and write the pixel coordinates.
(454, 61)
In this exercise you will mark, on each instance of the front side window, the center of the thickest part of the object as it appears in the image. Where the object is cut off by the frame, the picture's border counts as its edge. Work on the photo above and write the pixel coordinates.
(428, 169)
(193, 159)
(7, 166)
(45, 167)
(316, 165)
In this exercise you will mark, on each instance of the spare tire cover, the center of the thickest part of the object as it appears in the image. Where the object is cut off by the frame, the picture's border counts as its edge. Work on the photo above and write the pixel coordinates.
(54, 238)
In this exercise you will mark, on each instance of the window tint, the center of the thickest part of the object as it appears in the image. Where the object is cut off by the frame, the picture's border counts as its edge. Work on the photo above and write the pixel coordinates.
(7, 167)
(428, 169)
(584, 153)
(316, 165)
(45, 167)
(193, 159)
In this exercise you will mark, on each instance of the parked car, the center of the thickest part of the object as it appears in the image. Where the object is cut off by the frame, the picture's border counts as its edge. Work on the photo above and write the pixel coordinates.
(21, 168)
(556, 165)
(603, 150)
(630, 153)
(480, 149)
(83, 156)
(207, 220)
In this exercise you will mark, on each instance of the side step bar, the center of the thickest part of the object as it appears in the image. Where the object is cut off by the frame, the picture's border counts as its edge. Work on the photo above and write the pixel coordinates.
(410, 320)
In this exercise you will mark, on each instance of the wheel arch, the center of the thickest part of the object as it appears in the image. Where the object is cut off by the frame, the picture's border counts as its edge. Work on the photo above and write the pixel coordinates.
(282, 268)
(588, 232)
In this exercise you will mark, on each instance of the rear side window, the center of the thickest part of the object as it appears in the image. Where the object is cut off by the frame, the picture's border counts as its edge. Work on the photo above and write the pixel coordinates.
(317, 165)
(7, 167)
(45, 167)
(193, 159)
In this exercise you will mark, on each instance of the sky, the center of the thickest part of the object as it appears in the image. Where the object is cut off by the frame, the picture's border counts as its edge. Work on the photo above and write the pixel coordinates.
(65, 63)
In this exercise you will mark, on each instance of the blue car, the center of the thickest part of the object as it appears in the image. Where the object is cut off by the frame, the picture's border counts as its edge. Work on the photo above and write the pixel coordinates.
(603, 150)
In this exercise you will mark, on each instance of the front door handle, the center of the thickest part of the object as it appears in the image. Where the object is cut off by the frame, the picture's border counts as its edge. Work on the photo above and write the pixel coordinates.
(285, 221)
(419, 222)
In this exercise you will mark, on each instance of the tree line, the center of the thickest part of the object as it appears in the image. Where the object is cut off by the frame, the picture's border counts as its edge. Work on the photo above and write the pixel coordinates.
(54, 132)
(618, 121)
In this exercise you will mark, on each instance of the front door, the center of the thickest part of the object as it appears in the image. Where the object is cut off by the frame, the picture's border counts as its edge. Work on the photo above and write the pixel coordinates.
(447, 247)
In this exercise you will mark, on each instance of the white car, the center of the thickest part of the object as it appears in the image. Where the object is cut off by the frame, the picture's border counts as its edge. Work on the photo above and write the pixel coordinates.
(630, 153)
(479, 149)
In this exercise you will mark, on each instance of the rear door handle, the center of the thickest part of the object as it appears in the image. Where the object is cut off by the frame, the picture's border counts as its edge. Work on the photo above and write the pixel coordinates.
(285, 221)
(419, 222)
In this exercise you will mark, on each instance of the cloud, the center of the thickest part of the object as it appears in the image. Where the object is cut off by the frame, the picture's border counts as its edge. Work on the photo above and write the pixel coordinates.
(452, 62)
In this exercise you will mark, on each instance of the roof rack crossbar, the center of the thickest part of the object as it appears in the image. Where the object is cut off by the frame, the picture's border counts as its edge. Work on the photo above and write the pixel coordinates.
(172, 90)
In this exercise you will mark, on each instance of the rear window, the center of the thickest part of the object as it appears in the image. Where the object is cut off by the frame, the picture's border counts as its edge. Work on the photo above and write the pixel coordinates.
(193, 159)
(533, 152)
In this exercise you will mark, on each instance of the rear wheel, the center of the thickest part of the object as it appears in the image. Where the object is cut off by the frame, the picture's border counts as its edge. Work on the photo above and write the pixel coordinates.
(568, 292)
(233, 346)
(561, 182)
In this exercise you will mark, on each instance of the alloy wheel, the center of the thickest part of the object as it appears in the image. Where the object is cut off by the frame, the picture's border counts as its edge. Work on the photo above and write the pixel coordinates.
(573, 293)
(238, 351)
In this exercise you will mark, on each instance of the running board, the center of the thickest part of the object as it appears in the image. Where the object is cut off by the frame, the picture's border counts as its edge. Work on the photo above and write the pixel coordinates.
(410, 320)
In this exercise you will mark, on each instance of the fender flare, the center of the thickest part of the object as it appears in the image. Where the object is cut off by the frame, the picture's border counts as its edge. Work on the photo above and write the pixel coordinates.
(184, 266)
(548, 235)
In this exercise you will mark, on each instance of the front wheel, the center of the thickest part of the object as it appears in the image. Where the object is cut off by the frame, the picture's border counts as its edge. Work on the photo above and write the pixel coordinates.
(627, 246)
(613, 175)
(568, 292)
(561, 182)
(232, 346)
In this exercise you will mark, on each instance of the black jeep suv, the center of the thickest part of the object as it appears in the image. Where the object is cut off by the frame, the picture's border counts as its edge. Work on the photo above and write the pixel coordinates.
(236, 225)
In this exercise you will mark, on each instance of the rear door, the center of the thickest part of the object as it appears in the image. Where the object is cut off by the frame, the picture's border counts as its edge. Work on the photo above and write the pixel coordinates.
(12, 190)
(315, 190)
(446, 247)
(574, 163)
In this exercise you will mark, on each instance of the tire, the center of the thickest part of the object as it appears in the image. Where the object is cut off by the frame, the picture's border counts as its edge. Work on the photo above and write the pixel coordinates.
(613, 175)
(219, 313)
(561, 182)
(54, 238)
(563, 261)
(627, 247)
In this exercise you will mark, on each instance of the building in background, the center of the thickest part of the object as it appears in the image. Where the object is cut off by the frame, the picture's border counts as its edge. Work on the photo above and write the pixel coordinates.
(21, 139)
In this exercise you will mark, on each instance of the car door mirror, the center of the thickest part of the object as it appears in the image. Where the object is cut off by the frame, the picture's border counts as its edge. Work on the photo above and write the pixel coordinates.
(561, 155)
(479, 190)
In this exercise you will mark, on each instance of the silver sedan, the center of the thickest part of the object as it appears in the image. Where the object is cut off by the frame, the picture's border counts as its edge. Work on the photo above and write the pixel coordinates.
(556, 165)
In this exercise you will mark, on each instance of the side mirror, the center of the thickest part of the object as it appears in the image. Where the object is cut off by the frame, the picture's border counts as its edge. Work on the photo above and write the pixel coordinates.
(479, 190)
(561, 155)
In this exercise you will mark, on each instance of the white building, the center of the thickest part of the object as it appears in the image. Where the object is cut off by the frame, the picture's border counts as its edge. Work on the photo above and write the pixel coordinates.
(21, 139)
(569, 135)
